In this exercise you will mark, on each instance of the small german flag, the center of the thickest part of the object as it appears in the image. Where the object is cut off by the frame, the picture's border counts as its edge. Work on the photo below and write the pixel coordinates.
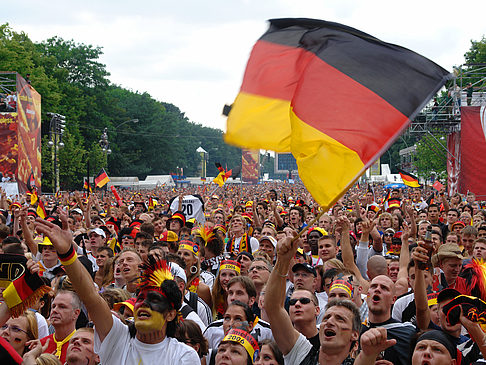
(222, 176)
(409, 179)
(87, 186)
(41, 211)
(102, 179)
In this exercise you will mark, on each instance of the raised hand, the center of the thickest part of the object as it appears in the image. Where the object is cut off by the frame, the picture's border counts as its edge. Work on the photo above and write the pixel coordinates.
(375, 341)
(287, 247)
(61, 239)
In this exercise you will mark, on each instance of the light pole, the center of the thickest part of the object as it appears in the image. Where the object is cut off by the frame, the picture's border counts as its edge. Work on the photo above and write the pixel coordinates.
(105, 145)
(203, 154)
(57, 126)
(127, 121)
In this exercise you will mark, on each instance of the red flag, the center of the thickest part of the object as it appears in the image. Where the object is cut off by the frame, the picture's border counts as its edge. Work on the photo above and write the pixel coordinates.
(473, 150)
(117, 197)
(437, 185)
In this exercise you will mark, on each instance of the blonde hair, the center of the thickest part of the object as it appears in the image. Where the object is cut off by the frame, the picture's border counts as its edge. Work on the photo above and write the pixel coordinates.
(47, 359)
(32, 329)
(335, 263)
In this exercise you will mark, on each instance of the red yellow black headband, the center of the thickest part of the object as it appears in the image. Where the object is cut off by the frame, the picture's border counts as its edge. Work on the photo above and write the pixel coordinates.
(230, 265)
(342, 284)
(244, 339)
(190, 246)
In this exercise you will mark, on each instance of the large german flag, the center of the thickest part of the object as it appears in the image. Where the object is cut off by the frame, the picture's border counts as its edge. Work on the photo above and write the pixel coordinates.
(332, 95)
(102, 179)
(409, 179)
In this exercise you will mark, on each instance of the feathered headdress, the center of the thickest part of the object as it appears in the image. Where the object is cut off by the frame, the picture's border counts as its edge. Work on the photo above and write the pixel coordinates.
(206, 234)
(475, 274)
(155, 272)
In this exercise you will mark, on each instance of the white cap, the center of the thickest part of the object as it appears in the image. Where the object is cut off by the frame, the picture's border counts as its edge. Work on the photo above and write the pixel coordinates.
(98, 231)
(177, 271)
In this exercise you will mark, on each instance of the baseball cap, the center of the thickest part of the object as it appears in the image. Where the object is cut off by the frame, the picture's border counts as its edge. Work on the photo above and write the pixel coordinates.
(98, 231)
(305, 267)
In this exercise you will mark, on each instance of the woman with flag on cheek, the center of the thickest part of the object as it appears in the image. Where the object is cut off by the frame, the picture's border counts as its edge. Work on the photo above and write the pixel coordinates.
(155, 311)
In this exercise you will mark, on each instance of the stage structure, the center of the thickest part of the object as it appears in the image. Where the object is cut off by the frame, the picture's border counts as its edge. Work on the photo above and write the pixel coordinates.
(460, 114)
(20, 131)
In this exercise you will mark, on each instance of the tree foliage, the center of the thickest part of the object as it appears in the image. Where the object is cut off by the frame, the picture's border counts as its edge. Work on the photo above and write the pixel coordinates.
(73, 82)
(431, 158)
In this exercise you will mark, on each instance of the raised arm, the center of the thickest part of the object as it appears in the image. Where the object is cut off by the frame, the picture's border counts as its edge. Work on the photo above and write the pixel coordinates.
(284, 333)
(377, 241)
(62, 240)
(401, 285)
(278, 218)
(28, 237)
(420, 291)
(342, 223)
(256, 217)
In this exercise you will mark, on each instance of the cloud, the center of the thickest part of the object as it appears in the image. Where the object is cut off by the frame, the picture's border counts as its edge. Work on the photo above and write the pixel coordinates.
(193, 53)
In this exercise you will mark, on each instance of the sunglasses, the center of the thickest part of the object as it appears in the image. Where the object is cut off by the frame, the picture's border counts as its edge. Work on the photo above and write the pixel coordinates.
(302, 300)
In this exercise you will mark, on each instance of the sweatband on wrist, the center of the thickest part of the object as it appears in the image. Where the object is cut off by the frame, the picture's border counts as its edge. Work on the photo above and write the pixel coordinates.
(69, 257)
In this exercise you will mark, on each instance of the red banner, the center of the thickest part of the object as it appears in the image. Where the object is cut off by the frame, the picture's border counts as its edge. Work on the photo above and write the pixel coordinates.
(473, 151)
(453, 162)
(250, 160)
(29, 134)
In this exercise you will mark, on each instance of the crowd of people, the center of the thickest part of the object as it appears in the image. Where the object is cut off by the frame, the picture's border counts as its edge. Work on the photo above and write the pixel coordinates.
(245, 274)
(8, 102)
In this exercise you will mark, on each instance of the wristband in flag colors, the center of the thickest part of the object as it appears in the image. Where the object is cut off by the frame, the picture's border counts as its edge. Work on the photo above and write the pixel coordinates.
(69, 257)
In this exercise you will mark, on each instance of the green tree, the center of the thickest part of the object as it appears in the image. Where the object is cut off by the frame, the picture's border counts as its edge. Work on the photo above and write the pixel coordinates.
(431, 156)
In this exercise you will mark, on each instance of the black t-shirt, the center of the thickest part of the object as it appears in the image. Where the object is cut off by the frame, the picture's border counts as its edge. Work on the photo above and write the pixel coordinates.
(403, 333)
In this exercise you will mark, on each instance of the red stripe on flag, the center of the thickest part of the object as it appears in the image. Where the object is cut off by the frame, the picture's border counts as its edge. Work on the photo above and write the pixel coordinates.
(23, 290)
(354, 115)
(274, 70)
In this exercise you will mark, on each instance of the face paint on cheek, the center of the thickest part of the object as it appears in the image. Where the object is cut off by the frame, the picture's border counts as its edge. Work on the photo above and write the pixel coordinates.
(17, 340)
(155, 322)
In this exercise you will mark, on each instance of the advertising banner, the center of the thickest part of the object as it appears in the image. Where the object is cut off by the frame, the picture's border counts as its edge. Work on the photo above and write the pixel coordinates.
(453, 162)
(29, 134)
(250, 162)
(8, 146)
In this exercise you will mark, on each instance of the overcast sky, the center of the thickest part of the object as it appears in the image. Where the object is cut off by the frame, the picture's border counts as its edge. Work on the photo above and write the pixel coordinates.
(193, 53)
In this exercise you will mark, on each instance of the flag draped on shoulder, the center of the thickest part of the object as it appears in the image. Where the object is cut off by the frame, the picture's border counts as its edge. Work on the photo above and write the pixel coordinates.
(409, 179)
(222, 176)
(102, 179)
(332, 95)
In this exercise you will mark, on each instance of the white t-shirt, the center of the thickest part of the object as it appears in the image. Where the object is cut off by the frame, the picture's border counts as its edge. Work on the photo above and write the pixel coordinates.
(192, 207)
(299, 351)
(119, 348)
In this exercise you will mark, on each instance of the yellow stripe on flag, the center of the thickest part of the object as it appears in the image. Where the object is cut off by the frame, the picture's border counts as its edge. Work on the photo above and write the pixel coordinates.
(327, 168)
(11, 296)
(259, 122)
